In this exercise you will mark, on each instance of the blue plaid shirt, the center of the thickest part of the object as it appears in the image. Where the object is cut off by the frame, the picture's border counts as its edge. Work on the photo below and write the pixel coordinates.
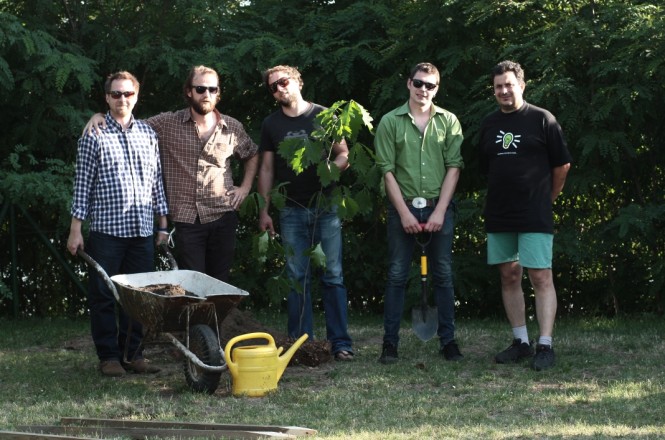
(118, 183)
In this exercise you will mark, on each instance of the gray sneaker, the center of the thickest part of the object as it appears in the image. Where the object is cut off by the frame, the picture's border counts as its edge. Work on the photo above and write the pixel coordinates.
(544, 358)
(517, 351)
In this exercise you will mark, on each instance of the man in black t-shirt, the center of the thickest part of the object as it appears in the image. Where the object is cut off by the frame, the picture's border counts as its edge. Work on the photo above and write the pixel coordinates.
(524, 154)
(306, 220)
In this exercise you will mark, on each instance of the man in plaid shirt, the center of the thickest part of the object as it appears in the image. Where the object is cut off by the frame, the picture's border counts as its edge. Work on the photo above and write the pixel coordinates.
(197, 146)
(118, 187)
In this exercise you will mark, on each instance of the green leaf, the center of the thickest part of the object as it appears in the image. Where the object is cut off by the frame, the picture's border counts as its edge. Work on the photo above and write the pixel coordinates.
(328, 172)
(317, 256)
(261, 243)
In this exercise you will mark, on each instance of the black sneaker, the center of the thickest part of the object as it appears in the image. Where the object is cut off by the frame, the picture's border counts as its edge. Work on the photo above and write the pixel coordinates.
(544, 357)
(389, 354)
(517, 351)
(451, 352)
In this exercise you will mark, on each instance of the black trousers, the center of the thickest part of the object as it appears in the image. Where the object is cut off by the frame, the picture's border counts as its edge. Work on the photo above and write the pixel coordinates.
(209, 247)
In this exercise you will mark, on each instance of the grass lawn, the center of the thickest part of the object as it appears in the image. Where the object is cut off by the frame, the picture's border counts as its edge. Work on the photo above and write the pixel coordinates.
(609, 382)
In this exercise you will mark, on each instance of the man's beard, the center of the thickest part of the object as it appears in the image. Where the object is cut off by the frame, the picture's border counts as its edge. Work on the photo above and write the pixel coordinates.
(198, 107)
(286, 101)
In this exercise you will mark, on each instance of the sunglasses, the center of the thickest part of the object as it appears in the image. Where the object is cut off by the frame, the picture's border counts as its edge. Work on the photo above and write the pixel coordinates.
(418, 84)
(282, 82)
(115, 94)
(202, 89)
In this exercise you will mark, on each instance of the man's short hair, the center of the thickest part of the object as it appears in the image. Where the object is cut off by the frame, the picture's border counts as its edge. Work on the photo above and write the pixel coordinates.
(508, 66)
(428, 68)
(123, 74)
(292, 72)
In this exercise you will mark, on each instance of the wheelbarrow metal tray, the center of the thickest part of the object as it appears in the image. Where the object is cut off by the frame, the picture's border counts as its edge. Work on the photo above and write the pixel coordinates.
(206, 296)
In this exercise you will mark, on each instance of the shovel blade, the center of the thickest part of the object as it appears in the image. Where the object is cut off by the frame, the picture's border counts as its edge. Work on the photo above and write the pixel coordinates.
(425, 322)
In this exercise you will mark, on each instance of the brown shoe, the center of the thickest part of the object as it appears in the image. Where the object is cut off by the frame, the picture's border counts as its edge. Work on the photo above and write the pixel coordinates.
(111, 368)
(142, 366)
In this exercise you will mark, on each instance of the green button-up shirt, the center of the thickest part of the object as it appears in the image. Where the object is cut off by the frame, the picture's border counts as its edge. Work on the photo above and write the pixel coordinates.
(418, 160)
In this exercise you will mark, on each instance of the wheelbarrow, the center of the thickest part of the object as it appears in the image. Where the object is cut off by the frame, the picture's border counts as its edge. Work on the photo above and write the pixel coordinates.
(197, 313)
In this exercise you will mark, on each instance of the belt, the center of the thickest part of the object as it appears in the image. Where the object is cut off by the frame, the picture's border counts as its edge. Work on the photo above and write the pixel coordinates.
(420, 202)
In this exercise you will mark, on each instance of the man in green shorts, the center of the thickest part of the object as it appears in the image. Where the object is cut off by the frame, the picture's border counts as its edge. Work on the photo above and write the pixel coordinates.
(525, 157)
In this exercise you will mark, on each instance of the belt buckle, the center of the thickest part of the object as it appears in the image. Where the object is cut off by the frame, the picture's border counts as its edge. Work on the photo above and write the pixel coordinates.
(419, 202)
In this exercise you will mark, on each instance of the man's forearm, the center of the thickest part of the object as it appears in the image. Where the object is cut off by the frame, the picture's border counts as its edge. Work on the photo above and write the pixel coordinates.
(251, 167)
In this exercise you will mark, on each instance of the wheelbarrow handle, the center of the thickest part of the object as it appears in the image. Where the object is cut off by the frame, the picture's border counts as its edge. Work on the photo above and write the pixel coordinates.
(100, 270)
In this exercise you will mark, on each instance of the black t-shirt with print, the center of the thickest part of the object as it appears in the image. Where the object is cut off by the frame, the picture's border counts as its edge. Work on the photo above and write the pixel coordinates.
(278, 127)
(517, 152)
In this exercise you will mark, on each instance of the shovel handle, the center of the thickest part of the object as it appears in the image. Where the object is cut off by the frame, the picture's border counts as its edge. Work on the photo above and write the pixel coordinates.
(423, 265)
(423, 256)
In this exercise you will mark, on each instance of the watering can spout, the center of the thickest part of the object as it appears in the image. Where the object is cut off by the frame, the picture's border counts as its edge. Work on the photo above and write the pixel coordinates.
(286, 357)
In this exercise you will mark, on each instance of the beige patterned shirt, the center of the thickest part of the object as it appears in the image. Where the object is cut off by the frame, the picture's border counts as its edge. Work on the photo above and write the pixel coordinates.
(198, 175)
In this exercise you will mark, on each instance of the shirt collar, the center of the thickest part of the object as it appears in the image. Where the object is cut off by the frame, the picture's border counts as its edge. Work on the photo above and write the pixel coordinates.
(404, 109)
(113, 123)
(187, 116)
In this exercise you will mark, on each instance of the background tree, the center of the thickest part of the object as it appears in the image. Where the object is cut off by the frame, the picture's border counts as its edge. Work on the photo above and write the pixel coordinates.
(598, 66)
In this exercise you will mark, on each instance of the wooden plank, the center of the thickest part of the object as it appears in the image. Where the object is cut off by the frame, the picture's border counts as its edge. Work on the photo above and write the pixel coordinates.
(141, 433)
(14, 435)
(291, 430)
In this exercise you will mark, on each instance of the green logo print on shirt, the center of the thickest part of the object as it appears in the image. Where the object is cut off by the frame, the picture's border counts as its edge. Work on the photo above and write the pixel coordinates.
(508, 139)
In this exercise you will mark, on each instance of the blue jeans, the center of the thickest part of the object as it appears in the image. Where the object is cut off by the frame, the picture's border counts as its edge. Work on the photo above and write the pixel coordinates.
(116, 255)
(400, 257)
(301, 229)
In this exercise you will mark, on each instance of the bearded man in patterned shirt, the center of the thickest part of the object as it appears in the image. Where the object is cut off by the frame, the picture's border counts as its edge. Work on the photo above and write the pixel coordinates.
(197, 146)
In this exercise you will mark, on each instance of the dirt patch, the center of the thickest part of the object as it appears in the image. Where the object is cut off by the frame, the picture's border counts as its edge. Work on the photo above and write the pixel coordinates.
(311, 353)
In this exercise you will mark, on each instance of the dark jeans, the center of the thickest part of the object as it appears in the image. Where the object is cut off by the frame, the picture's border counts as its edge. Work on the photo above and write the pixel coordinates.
(115, 255)
(302, 228)
(400, 257)
(209, 247)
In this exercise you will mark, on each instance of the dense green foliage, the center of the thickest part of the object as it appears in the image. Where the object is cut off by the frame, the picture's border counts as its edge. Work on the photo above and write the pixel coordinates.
(597, 65)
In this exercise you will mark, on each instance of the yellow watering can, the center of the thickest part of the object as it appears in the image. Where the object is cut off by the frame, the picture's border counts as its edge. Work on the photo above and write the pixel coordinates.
(256, 369)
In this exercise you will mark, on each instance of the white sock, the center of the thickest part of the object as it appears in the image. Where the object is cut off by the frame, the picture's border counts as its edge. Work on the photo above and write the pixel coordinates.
(521, 333)
(545, 340)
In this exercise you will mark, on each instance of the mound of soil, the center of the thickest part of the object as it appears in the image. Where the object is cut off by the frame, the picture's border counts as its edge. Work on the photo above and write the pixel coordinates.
(311, 353)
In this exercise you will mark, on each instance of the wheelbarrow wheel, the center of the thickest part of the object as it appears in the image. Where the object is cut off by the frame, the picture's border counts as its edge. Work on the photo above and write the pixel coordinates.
(203, 343)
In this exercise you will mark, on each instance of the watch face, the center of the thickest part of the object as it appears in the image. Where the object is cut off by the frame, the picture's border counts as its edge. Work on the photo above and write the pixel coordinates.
(419, 202)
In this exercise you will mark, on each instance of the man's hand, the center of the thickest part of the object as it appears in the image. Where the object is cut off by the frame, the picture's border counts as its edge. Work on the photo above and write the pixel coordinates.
(410, 223)
(162, 238)
(94, 125)
(265, 223)
(237, 194)
(435, 221)
(74, 242)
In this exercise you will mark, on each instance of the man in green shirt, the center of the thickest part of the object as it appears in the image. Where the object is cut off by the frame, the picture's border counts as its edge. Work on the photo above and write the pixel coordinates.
(418, 151)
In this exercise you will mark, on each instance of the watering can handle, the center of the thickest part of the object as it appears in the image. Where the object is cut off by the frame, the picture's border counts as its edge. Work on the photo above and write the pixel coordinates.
(256, 335)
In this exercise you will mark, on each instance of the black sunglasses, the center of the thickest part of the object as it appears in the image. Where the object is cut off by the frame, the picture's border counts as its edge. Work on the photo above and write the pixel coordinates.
(115, 94)
(282, 82)
(418, 84)
(202, 89)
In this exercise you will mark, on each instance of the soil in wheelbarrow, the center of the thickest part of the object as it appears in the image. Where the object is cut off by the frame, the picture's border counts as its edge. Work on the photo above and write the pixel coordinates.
(311, 353)
(166, 289)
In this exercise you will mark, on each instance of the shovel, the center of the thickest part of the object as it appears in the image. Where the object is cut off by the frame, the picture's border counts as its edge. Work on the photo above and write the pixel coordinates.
(424, 319)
